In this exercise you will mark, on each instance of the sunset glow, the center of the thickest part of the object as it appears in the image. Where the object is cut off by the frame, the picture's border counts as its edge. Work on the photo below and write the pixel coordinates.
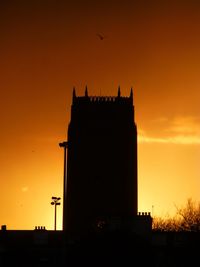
(48, 47)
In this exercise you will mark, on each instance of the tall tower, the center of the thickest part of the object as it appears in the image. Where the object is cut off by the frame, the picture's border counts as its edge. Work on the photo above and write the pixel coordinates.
(101, 161)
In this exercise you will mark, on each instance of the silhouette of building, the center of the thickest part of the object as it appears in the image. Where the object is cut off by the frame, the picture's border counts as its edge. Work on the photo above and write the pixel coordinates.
(101, 162)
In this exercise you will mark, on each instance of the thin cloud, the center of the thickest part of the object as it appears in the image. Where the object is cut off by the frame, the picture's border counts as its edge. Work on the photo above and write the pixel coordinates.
(182, 130)
(185, 125)
(184, 140)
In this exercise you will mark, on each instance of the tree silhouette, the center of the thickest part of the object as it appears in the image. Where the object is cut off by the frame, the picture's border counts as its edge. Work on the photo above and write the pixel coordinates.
(187, 218)
(190, 216)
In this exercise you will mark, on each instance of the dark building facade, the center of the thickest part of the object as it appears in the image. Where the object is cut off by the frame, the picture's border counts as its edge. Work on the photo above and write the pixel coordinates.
(101, 162)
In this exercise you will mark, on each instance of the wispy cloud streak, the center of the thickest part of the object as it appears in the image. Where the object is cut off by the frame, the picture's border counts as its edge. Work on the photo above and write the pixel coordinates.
(182, 130)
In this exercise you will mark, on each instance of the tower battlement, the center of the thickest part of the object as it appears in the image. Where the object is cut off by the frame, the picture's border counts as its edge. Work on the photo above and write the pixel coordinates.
(111, 109)
(102, 99)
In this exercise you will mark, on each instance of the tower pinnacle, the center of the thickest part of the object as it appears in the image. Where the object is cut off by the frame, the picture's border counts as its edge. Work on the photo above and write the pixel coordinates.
(86, 91)
(119, 92)
(74, 94)
(131, 95)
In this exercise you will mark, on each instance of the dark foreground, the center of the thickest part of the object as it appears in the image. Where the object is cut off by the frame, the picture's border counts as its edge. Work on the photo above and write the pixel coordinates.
(49, 248)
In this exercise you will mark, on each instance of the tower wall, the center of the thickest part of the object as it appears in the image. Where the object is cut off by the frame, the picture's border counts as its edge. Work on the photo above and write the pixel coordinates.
(101, 162)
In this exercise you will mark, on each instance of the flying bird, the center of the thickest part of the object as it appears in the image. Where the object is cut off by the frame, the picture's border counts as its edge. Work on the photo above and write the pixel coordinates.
(101, 37)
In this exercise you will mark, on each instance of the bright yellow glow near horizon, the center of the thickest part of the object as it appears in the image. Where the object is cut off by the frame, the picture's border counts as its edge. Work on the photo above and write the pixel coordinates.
(163, 173)
(166, 175)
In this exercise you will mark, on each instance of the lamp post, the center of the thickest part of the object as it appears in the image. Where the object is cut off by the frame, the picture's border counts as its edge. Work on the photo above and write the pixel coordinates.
(64, 145)
(55, 202)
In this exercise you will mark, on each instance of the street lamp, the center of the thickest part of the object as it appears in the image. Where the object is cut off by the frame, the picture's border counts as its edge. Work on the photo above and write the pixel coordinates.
(55, 202)
(64, 145)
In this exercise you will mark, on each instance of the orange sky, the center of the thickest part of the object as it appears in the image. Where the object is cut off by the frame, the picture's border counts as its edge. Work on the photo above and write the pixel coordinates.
(47, 47)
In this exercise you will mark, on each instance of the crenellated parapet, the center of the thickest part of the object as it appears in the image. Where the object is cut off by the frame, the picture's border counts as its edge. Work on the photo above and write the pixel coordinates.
(144, 213)
(102, 99)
